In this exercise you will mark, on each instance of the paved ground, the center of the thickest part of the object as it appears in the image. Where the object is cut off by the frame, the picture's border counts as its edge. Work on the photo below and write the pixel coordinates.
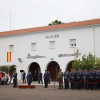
(7, 92)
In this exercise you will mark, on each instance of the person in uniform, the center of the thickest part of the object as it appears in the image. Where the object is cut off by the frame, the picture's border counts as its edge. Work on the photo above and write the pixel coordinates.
(49, 77)
(29, 78)
(66, 79)
(15, 79)
(60, 79)
(86, 79)
(24, 75)
(97, 79)
(92, 79)
(40, 78)
(46, 79)
(73, 78)
(79, 76)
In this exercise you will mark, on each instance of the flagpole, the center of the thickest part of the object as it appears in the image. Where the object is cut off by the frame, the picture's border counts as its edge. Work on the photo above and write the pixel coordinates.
(74, 53)
(10, 21)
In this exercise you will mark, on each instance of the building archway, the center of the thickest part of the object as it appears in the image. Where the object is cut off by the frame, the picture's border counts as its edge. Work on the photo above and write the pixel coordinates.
(53, 67)
(69, 66)
(34, 68)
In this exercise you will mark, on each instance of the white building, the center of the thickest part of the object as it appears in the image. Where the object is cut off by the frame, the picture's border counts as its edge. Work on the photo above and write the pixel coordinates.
(50, 47)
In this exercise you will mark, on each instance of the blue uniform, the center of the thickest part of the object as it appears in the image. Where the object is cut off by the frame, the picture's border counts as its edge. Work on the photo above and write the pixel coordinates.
(73, 78)
(29, 77)
(40, 78)
(66, 80)
(24, 74)
(46, 79)
(86, 77)
(98, 79)
(92, 79)
(15, 79)
(79, 79)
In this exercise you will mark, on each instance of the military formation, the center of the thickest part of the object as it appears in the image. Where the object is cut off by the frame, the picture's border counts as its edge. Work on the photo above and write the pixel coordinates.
(80, 79)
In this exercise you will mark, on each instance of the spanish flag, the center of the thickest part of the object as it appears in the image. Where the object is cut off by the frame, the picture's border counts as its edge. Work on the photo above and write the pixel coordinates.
(8, 56)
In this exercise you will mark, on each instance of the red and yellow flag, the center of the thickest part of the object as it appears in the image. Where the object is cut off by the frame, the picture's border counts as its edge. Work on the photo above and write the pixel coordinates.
(8, 56)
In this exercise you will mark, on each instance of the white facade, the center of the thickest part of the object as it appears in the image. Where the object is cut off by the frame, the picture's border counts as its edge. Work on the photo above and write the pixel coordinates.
(87, 40)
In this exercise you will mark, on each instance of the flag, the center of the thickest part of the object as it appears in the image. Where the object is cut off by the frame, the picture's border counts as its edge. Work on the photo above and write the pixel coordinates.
(8, 56)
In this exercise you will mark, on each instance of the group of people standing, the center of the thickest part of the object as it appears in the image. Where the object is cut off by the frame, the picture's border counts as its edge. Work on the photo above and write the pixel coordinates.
(80, 79)
(76, 79)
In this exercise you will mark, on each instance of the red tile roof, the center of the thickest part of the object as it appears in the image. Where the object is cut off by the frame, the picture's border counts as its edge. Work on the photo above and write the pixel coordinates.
(53, 27)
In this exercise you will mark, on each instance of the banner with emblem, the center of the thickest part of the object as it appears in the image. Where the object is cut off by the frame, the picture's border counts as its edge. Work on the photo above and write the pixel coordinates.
(8, 56)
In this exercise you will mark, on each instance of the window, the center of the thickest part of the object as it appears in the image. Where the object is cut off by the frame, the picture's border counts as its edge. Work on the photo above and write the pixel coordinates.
(72, 42)
(52, 44)
(11, 48)
(33, 46)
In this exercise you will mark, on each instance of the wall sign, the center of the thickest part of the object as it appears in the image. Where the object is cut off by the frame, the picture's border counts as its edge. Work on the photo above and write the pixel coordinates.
(35, 56)
(52, 36)
(68, 55)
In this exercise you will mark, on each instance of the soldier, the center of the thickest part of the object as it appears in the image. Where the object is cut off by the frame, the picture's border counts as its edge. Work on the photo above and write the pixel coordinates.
(66, 79)
(40, 78)
(60, 79)
(98, 79)
(29, 78)
(79, 79)
(15, 79)
(73, 78)
(86, 78)
(46, 79)
(93, 79)
(24, 74)
(49, 77)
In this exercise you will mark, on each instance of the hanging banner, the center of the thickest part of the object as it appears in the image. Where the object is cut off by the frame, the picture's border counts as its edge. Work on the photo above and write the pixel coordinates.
(8, 56)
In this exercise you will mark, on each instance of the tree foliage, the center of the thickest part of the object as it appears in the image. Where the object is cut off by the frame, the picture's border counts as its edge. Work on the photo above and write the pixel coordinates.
(8, 69)
(87, 62)
(55, 22)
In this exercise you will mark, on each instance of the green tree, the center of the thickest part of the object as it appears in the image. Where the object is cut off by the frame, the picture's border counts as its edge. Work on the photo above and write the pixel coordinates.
(76, 64)
(97, 65)
(5, 69)
(87, 62)
(90, 61)
(55, 22)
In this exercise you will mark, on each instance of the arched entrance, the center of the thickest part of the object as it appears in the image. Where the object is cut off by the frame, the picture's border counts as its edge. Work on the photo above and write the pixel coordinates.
(69, 66)
(35, 69)
(53, 67)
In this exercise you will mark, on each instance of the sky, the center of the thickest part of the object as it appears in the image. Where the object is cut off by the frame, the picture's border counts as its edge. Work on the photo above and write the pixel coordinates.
(37, 13)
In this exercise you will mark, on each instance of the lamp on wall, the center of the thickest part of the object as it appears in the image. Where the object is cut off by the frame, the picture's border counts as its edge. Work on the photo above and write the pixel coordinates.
(19, 59)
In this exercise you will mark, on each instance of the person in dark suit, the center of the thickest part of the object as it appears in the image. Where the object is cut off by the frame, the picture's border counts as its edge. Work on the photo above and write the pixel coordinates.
(73, 78)
(40, 78)
(29, 78)
(46, 79)
(79, 76)
(49, 77)
(23, 75)
(66, 79)
(92, 79)
(86, 78)
(15, 79)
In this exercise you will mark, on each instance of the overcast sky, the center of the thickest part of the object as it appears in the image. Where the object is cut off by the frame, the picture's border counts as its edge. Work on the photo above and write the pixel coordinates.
(36, 13)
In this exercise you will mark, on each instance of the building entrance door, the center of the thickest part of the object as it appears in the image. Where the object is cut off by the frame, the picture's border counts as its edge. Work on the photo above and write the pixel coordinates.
(35, 69)
(53, 67)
